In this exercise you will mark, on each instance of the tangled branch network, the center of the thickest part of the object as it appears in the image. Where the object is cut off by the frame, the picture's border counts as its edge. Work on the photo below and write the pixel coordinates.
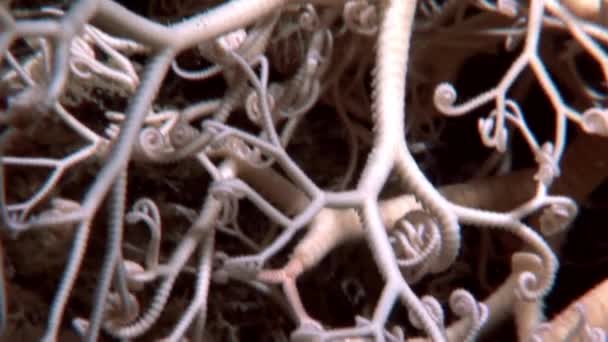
(68, 71)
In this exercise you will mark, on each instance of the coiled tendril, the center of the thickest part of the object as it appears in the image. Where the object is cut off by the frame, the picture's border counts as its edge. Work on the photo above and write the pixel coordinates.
(309, 19)
(361, 17)
(464, 305)
(595, 121)
(182, 134)
(558, 216)
(433, 307)
(416, 238)
(152, 144)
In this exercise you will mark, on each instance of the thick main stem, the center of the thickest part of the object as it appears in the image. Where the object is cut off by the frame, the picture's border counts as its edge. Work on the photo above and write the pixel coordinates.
(388, 115)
